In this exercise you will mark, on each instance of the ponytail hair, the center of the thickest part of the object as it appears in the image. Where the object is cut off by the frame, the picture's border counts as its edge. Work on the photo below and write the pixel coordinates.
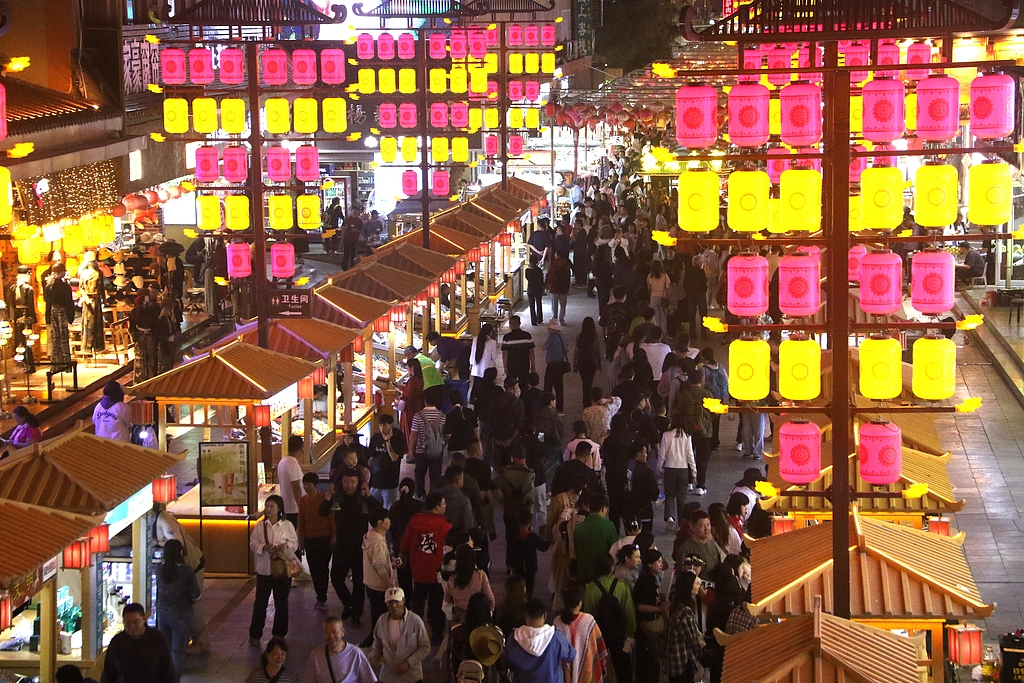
(571, 597)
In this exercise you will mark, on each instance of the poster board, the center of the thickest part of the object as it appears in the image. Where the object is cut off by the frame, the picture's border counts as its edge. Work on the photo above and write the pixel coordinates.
(223, 473)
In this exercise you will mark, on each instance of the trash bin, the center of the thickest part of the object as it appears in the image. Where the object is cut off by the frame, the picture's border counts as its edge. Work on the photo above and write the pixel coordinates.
(1011, 647)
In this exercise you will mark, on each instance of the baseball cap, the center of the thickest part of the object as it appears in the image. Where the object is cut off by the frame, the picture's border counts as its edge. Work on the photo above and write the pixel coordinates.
(394, 594)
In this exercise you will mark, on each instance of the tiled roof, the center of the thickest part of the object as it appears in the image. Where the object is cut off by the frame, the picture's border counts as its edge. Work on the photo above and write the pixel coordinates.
(236, 372)
(478, 225)
(442, 240)
(502, 203)
(306, 338)
(414, 259)
(30, 536)
(81, 473)
(347, 308)
(382, 282)
(32, 108)
(896, 572)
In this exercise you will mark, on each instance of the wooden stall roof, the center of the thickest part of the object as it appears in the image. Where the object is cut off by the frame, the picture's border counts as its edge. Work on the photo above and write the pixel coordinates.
(236, 372)
(31, 535)
(414, 259)
(896, 572)
(306, 338)
(502, 204)
(525, 189)
(347, 308)
(378, 281)
(918, 468)
(789, 652)
(442, 240)
(81, 473)
(472, 221)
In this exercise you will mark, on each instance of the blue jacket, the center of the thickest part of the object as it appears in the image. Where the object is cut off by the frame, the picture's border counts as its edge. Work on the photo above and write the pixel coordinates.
(536, 654)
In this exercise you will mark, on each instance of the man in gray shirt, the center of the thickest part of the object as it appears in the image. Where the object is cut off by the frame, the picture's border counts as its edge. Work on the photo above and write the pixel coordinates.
(973, 265)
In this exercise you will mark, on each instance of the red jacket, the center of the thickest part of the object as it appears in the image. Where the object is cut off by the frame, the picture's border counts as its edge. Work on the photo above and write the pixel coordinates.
(423, 542)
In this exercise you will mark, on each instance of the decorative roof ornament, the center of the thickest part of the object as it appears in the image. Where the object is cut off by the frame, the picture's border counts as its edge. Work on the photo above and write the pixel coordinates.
(416, 9)
(256, 13)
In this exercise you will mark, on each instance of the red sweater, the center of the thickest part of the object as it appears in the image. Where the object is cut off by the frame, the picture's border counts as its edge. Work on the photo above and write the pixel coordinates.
(423, 543)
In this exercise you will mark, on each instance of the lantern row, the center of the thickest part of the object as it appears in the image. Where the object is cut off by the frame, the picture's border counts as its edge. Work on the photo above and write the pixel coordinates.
(879, 452)
(282, 260)
(854, 53)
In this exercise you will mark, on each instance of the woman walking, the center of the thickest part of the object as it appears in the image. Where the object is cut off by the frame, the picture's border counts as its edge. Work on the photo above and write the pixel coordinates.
(556, 352)
(477, 632)
(651, 612)
(176, 590)
(484, 352)
(583, 633)
(272, 541)
(604, 276)
(683, 640)
(658, 283)
(271, 668)
(466, 582)
(587, 357)
(411, 401)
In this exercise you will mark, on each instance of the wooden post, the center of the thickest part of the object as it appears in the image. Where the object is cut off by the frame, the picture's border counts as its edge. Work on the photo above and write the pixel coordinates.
(307, 427)
(49, 634)
(89, 610)
(462, 282)
(252, 503)
(348, 386)
(140, 581)
(286, 430)
(332, 391)
(368, 365)
(161, 426)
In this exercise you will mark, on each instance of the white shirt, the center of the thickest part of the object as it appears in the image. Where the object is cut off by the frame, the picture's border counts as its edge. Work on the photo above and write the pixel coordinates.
(114, 422)
(282, 533)
(488, 360)
(676, 451)
(751, 496)
(656, 354)
(595, 449)
(289, 470)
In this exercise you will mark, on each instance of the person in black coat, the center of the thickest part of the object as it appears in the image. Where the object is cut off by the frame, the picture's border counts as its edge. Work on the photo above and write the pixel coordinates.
(351, 516)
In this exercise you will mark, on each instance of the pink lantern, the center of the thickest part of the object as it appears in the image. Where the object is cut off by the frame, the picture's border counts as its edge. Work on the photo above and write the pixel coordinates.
(515, 145)
(282, 260)
(881, 283)
(884, 160)
(777, 166)
(332, 66)
(804, 62)
(207, 164)
(279, 164)
(857, 252)
(410, 183)
(438, 115)
(493, 35)
(748, 115)
(799, 284)
(696, 116)
(752, 61)
(802, 162)
(303, 66)
(748, 285)
(407, 115)
(547, 35)
(531, 90)
(888, 53)
(239, 260)
(780, 58)
(477, 44)
(364, 46)
(439, 183)
(938, 108)
(200, 65)
(883, 109)
(387, 115)
(406, 46)
(458, 44)
(232, 66)
(880, 453)
(515, 90)
(857, 55)
(857, 164)
(932, 283)
(386, 46)
(800, 104)
(460, 115)
(172, 66)
(799, 452)
(236, 164)
(992, 102)
(919, 53)
(531, 35)
(491, 145)
(307, 163)
(275, 66)
(437, 46)
(514, 35)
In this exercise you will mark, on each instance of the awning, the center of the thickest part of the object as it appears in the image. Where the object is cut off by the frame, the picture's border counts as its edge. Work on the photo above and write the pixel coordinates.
(47, 162)
(306, 338)
(347, 308)
(413, 259)
(382, 282)
(31, 536)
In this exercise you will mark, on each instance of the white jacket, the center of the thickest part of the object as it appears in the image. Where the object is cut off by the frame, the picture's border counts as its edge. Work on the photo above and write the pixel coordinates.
(676, 451)
(282, 533)
(488, 360)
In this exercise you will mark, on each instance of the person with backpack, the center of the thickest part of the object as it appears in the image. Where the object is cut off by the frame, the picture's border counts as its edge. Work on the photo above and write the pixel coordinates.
(611, 602)
(696, 421)
(352, 231)
(537, 652)
(716, 380)
(556, 354)
(515, 485)
(426, 434)
(559, 281)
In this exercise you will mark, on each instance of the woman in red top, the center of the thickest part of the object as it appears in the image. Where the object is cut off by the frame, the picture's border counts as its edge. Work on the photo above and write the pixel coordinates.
(412, 395)
(736, 509)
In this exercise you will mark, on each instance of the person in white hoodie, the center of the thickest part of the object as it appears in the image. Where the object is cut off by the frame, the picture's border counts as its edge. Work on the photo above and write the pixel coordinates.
(536, 652)
(678, 468)
(400, 642)
(378, 570)
(112, 417)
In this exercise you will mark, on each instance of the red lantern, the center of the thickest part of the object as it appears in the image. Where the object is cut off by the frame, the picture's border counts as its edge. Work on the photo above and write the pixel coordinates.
(477, 44)
(275, 66)
(207, 164)
(433, 290)
(78, 555)
(119, 210)
(346, 355)
(696, 116)
(382, 324)
(304, 66)
(514, 35)
(305, 388)
(485, 249)
(888, 53)
(357, 345)
(439, 115)
(364, 46)
(748, 285)
(857, 252)
(515, 90)
(307, 163)
(782, 525)
(752, 61)
(282, 260)
(919, 53)
(491, 145)
(938, 108)
(279, 164)
(260, 415)
(799, 452)
(387, 115)
(881, 283)
(165, 488)
(992, 104)
(880, 452)
(448, 276)
(800, 105)
(236, 164)
(239, 260)
(386, 46)
(152, 197)
(964, 644)
(857, 164)
(200, 65)
(799, 284)
(531, 35)
(780, 58)
(172, 66)
(459, 44)
(320, 375)
(547, 35)
(439, 183)
(505, 239)
(407, 115)
(884, 116)
(748, 115)
(232, 66)
(332, 66)
(398, 314)
(474, 255)
(932, 284)
(6, 614)
(410, 183)
(460, 267)
(515, 145)
(437, 46)
(857, 55)
(406, 46)
(99, 538)
(460, 115)
(939, 525)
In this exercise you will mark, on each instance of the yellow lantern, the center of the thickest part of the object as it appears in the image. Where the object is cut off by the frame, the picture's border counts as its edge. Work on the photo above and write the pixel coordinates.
(882, 190)
(492, 118)
(515, 117)
(801, 199)
(774, 117)
(856, 210)
(748, 201)
(204, 115)
(236, 212)
(367, 81)
(23, 231)
(6, 196)
(30, 251)
(775, 225)
(547, 62)
(335, 111)
(439, 150)
(438, 81)
(388, 149)
(532, 118)
(934, 370)
(856, 114)
(232, 115)
(280, 208)
(910, 107)
(881, 368)
(749, 369)
(105, 229)
(990, 200)
(208, 212)
(175, 115)
(409, 149)
(308, 208)
(72, 243)
(460, 150)
(799, 369)
(306, 115)
(477, 80)
(515, 62)
(407, 81)
(935, 195)
(387, 81)
(476, 119)
(491, 62)
(278, 113)
(458, 81)
(532, 63)
(698, 200)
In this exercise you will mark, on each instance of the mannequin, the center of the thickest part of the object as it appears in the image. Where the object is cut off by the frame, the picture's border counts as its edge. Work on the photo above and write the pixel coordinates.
(90, 296)
(24, 297)
(144, 321)
(60, 311)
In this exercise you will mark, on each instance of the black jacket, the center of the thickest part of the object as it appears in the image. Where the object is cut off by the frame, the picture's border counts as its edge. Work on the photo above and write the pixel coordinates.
(146, 660)
(350, 518)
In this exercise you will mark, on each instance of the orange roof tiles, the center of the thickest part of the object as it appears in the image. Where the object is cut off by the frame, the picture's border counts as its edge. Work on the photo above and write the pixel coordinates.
(382, 282)
(443, 240)
(347, 308)
(30, 536)
(306, 338)
(414, 259)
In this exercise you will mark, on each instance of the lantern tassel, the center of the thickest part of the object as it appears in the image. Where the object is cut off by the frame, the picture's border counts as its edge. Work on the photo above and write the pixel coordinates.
(663, 238)
(765, 488)
(915, 491)
(714, 405)
(715, 324)
(970, 322)
(969, 405)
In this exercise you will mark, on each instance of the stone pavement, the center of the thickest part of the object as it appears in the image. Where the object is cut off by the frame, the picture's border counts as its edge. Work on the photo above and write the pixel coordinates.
(987, 470)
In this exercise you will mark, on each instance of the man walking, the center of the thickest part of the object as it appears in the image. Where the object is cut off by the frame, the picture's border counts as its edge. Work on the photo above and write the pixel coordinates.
(517, 352)
(337, 661)
(400, 642)
(423, 544)
(537, 651)
(138, 654)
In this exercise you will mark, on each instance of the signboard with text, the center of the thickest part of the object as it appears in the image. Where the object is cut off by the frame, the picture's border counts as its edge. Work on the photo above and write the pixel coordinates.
(291, 303)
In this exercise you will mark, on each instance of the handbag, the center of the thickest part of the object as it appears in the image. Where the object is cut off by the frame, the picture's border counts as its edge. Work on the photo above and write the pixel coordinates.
(653, 628)
(280, 567)
(563, 366)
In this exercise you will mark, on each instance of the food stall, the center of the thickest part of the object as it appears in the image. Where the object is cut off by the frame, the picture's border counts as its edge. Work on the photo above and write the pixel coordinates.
(424, 262)
(234, 394)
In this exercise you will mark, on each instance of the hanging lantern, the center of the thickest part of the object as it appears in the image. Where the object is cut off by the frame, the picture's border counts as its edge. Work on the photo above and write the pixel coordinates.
(880, 453)
(278, 115)
(332, 66)
(407, 115)
(752, 62)
(207, 164)
(239, 260)
(406, 46)
(531, 35)
(992, 106)
(547, 35)
(366, 80)
(236, 164)
(882, 192)
(801, 113)
(303, 66)
(515, 90)
(281, 214)
(458, 45)
(439, 183)
(306, 115)
(208, 213)
(279, 164)
(990, 198)
(6, 195)
(504, 239)
(386, 46)
(439, 150)
(964, 644)
(939, 526)
(78, 555)
(932, 281)
(782, 525)
(307, 163)
(881, 370)
(799, 451)
(320, 375)
(382, 324)
(99, 538)
(387, 115)
(491, 145)
(934, 368)
(407, 81)
(398, 315)
(531, 90)
(175, 115)
(696, 116)
(698, 200)
(857, 252)
(748, 115)
(918, 53)
(799, 368)
(459, 267)
(799, 284)
(857, 164)
(776, 167)
(938, 108)
(232, 116)
(236, 212)
(232, 66)
(282, 260)
(437, 46)
(72, 242)
(275, 66)
(856, 114)
(780, 58)
(888, 53)
(935, 195)
(305, 388)
(165, 488)
(460, 115)
(883, 109)
(200, 65)
(6, 614)
(260, 415)
(364, 46)
(800, 190)
(515, 145)
(307, 210)
(857, 54)
(881, 283)
(460, 149)
(748, 201)
(485, 250)
(474, 255)
(439, 115)
(172, 66)
(409, 149)
(410, 183)
(749, 363)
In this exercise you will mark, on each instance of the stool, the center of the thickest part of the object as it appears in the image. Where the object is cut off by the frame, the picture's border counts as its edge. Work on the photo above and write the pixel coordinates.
(979, 280)
(1015, 304)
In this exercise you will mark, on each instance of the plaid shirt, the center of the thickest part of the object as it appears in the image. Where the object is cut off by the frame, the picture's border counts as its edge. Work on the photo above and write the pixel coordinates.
(684, 642)
(740, 619)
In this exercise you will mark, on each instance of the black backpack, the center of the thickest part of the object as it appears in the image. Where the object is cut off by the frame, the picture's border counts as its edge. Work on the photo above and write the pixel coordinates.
(610, 617)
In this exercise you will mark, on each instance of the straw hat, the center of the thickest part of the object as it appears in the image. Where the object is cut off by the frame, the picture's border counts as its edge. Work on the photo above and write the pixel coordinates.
(487, 643)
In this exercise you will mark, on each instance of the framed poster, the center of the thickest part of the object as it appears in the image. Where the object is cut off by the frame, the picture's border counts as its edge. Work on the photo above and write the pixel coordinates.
(223, 473)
